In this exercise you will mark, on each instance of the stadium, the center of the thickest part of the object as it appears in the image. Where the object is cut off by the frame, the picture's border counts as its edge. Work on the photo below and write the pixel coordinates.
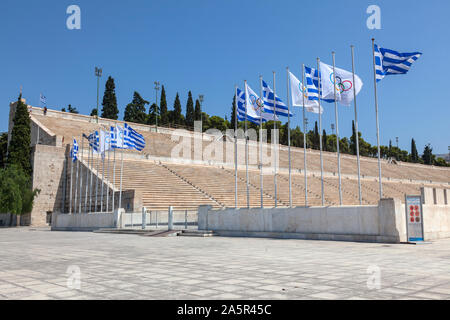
(156, 180)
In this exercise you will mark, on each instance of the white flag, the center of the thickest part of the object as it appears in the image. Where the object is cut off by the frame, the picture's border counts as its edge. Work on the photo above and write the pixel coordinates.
(105, 141)
(297, 92)
(344, 84)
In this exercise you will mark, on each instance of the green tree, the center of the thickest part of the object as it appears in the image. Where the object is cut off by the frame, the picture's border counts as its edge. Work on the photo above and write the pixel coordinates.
(72, 109)
(64, 110)
(190, 116)
(94, 112)
(3, 149)
(177, 119)
(428, 156)
(153, 114)
(198, 111)
(136, 111)
(324, 140)
(19, 151)
(316, 137)
(414, 153)
(163, 108)
(353, 139)
(16, 194)
(110, 110)
(233, 113)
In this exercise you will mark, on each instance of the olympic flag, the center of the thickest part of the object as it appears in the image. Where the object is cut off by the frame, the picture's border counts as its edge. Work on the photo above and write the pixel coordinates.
(296, 94)
(344, 84)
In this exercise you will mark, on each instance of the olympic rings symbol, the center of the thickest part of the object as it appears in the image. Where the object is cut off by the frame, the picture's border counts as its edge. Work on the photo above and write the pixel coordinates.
(303, 89)
(341, 86)
(257, 103)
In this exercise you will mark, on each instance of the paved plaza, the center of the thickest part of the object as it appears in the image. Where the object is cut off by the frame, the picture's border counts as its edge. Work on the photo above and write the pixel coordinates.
(40, 264)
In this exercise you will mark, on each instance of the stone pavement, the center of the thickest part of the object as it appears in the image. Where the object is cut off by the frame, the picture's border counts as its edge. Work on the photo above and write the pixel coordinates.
(40, 264)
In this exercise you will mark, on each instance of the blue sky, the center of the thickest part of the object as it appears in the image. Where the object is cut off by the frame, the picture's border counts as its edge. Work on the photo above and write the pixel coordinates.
(208, 46)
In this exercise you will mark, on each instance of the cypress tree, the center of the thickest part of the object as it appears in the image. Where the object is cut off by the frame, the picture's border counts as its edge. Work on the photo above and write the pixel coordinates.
(110, 110)
(316, 137)
(163, 108)
(428, 155)
(353, 139)
(414, 153)
(177, 110)
(136, 111)
(19, 151)
(190, 116)
(324, 140)
(198, 111)
(233, 113)
(153, 114)
(3, 149)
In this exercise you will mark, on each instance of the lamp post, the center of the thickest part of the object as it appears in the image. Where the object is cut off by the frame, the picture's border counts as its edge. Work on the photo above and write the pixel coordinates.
(98, 74)
(156, 113)
(396, 139)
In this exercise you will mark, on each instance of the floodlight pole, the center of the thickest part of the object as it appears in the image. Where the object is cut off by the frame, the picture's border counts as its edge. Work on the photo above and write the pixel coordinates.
(156, 102)
(98, 74)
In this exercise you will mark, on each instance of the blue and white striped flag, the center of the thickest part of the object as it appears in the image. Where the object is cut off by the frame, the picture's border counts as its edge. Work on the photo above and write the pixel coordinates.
(94, 142)
(117, 137)
(133, 139)
(43, 99)
(74, 151)
(251, 114)
(274, 104)
(389, 62)
(312, 85)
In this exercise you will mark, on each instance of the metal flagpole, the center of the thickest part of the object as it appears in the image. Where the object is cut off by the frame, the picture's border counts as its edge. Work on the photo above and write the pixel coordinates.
(71, 181)
(304, 136)
(81, 174)
(87, 179)
(235, 149)
(275, 140)
(356, 129)
(114, 179)
(103, 172)
(246, 145)
(261, 177)
(91, 149)
(121, 176)
(376, 115)
(337, 128)
(96, 180)
(108, 171)
(289, 137)
(76, 187)
(320, 130)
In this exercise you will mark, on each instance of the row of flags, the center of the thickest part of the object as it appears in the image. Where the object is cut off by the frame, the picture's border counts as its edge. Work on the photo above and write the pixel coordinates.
(387, 62)
(117, 138)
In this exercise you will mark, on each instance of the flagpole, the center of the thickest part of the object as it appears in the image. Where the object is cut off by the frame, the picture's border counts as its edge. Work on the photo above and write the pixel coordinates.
(356, 128)
(304, 137)
(320, 130)
(96, 180)
(103, 172)
(246, 145)
(108, 172)
(87, 179)
(275, 139)
(261, 171)
(376, 116)
(121, 177)
(337, 127)
(81, 174)
(289, 137)
(91, 150)
(71, 180)
(76, 186)
(114, 179)
(235, 149)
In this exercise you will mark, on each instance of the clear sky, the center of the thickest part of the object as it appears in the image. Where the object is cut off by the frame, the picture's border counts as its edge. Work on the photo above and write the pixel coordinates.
(208, 46)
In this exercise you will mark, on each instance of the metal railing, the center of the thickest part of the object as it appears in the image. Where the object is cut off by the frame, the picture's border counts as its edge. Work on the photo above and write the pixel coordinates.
(169, 219)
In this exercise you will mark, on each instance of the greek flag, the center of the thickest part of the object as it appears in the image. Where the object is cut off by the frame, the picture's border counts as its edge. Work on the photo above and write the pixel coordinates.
(312, 85)
(133, 139)
(43, 99)
(94, 142)
(389, 62)
(117, 138)
(274, 105)
(74, 151)
(251, 114)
